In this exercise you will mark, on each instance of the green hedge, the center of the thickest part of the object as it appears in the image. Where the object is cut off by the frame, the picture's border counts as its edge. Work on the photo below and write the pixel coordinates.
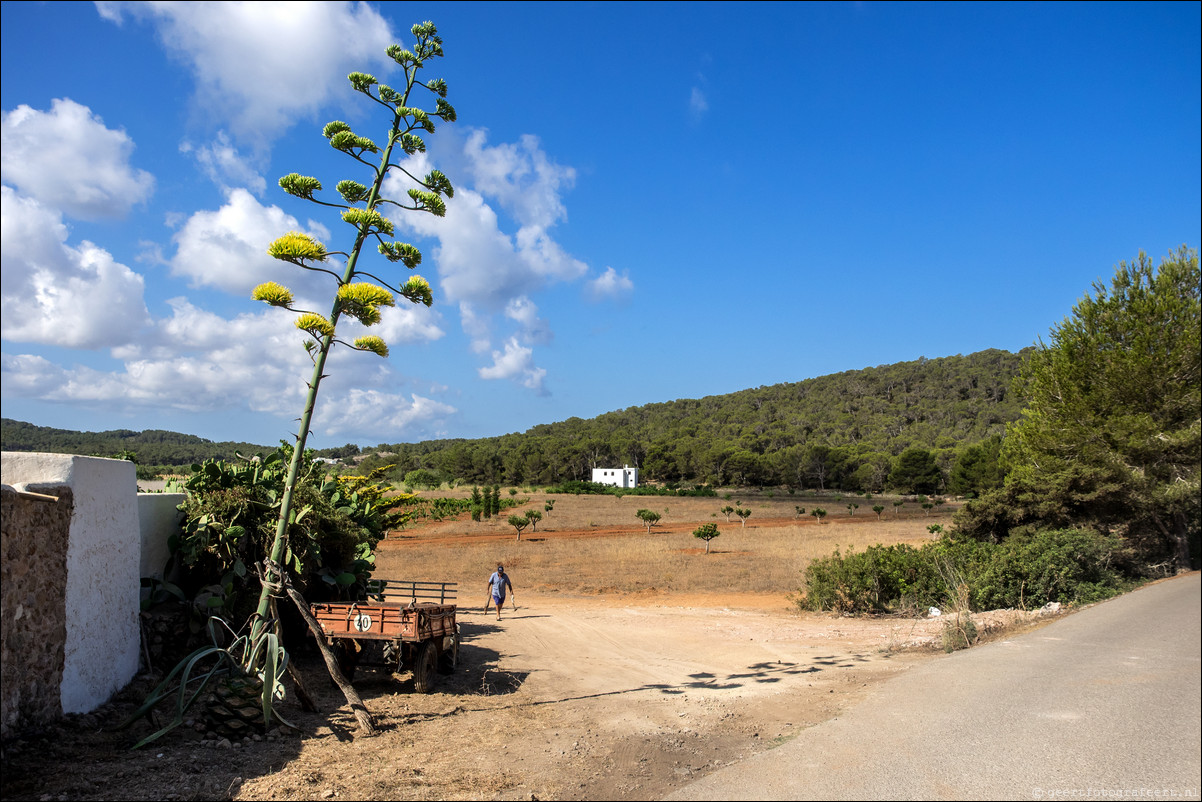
(1065, 565)
(576, 487)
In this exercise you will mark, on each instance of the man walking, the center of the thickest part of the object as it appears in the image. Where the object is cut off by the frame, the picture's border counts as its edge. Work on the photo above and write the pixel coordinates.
(496, 589)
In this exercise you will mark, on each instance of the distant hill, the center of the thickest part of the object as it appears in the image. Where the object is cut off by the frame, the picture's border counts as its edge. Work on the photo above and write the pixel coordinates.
(843, 430)
(151, 447)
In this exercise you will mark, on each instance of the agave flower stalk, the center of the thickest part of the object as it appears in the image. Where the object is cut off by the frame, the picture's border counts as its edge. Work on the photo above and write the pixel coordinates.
(359, 299)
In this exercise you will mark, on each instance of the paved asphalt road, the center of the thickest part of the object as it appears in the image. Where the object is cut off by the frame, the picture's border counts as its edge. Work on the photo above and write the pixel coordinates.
(1104, 704)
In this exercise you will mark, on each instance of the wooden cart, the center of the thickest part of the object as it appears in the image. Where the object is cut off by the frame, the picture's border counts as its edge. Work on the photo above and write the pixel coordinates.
(404, 624)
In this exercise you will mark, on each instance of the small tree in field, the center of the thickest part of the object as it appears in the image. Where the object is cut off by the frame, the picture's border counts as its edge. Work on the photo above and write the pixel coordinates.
(477, 504)
(727, 510)
(878, 509)
(519, 522)
(818, 514)
(649, 518)
(852, 507)
(534, 516)
(800, 511)
(897, 505)
(743, 514)
(549, 505)
(706, 532)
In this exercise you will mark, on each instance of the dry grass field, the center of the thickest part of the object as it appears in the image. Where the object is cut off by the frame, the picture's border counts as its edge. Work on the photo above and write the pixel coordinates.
(597, 545)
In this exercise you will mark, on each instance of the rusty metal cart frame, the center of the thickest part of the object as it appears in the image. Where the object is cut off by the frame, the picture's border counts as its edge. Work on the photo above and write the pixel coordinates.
(412, 621)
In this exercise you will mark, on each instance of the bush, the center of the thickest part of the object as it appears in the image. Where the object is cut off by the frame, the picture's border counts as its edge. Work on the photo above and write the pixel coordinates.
(576, 487)
(1061, 565)
(876, 580)
(229, 520)
(1025, 572)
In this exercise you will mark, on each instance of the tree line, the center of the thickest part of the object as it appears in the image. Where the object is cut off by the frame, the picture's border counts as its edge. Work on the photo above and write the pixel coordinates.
(924, 426)
(149, 447)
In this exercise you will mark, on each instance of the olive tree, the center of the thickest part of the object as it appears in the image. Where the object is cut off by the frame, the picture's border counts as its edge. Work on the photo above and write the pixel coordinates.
(706, 532)
(649, 518)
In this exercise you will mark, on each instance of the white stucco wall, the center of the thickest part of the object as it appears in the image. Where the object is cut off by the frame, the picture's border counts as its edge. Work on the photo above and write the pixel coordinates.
(158, 518)
(103, 556)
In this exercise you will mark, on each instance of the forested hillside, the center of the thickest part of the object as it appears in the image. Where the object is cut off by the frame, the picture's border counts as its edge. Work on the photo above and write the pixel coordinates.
(151, 447)
(845, 430)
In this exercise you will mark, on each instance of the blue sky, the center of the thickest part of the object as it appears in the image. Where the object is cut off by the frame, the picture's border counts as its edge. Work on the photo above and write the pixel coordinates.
(653, 201)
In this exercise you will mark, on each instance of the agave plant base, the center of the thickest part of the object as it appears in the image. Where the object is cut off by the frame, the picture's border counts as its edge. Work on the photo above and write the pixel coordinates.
(234, 709)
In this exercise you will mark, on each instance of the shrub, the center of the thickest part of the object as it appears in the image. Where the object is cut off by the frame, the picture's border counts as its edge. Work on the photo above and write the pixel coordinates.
(577, 487)
(424, 478)
(1026, 571)
(229, 521)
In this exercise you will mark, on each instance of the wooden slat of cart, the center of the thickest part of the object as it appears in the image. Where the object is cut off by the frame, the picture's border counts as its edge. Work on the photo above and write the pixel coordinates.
(385, 621)
(398, 591)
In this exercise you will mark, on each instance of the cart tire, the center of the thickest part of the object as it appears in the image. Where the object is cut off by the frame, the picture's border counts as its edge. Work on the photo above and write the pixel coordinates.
(448, 659)
(425, 671)
(392, 653)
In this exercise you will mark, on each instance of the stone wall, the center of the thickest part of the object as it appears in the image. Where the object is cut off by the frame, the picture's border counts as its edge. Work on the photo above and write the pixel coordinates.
(33, 625)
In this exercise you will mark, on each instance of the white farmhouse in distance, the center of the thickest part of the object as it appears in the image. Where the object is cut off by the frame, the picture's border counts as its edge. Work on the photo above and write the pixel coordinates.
(618, 477)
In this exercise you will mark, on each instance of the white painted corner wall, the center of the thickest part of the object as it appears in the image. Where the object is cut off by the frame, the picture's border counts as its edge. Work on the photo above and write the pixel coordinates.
(100, 655)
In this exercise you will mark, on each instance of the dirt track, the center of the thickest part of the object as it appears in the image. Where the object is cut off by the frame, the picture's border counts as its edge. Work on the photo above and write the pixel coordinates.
(584, 699)
(567, 698)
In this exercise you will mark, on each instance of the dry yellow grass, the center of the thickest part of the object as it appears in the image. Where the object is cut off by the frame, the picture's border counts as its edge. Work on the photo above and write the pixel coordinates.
(596, 544)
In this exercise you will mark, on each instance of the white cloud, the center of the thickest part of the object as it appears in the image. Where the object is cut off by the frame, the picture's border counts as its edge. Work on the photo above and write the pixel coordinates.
(488, 272)
(520, 177)
(197, 361)
(225, 166)
(227, 248)
(610, 285)
(67, 159)
(28, 376)
(56, 294)
(477, 261)
(523, 311)
(373, 411)
(407, 323)
(516, 362)
(264, 65)
(698, 105)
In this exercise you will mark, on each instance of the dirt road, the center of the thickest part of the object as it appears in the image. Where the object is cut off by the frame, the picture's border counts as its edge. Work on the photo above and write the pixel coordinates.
(587, 699)
(568, 698)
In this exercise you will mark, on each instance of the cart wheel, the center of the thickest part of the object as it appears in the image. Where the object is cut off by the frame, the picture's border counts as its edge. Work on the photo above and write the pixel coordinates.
(425, 671)
(392, 655)
(448, 659)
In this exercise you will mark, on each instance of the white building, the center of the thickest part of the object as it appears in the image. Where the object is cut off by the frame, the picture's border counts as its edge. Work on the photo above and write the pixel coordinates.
(618, 477)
